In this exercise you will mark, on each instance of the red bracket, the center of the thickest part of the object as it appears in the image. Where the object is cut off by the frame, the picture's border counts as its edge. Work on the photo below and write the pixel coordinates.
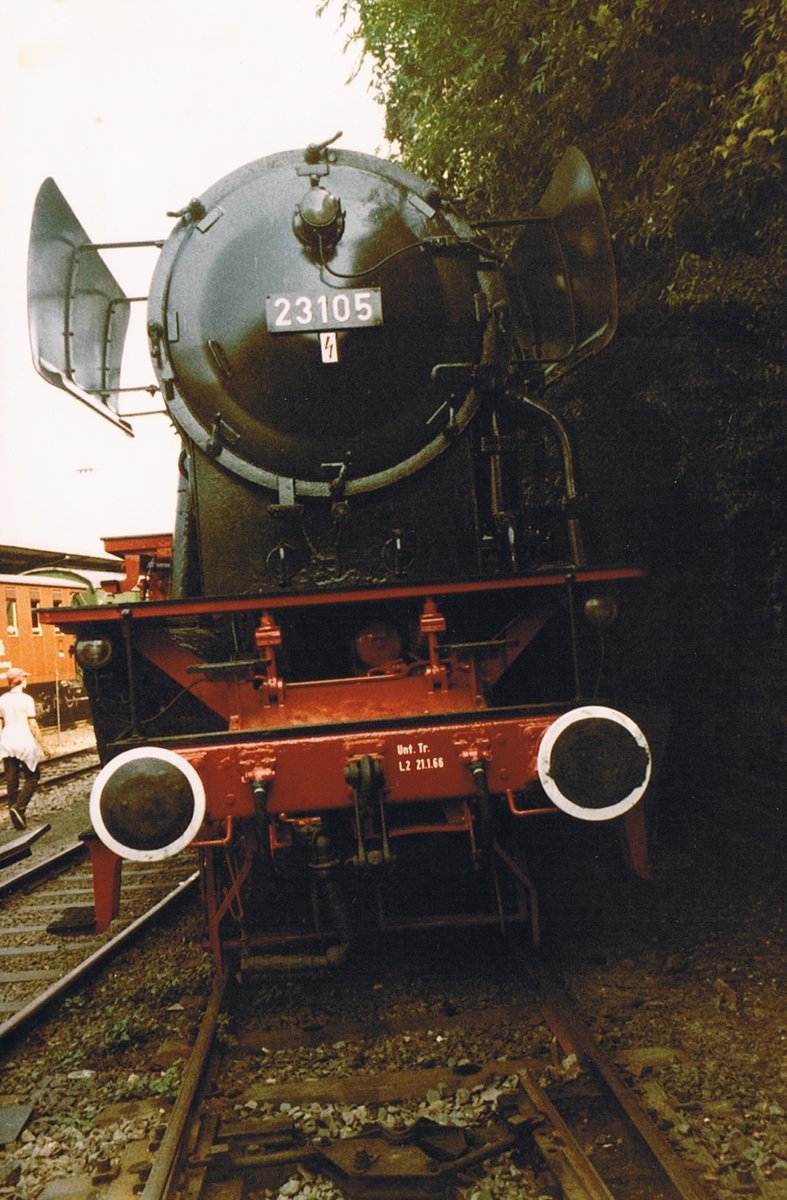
(107, 867)
(267, 637)
(432, 623)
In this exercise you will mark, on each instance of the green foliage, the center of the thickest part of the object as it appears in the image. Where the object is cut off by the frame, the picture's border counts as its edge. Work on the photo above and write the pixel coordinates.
(167, 1084)
(162, 1084)
(167, 985)
(122, 1032)
(73, 1059)
(681, 107)
(224, 1034)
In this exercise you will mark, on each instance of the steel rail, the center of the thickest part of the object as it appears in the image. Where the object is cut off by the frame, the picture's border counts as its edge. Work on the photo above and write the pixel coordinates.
(20, 1020)
(53, 781)
(571, 1168)
(572, 1171)
(169, 1152)
(575, 1036)
(47, 866)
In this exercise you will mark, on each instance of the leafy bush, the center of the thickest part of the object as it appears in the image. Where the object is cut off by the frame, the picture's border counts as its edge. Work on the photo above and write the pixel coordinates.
(682, 110)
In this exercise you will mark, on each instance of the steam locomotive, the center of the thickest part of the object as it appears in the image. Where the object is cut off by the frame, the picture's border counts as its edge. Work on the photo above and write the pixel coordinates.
(369, 664)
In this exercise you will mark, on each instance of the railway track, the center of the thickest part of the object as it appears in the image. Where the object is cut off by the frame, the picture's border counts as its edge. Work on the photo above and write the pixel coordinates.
(47, 922)
(67, 767)
(547, 1116)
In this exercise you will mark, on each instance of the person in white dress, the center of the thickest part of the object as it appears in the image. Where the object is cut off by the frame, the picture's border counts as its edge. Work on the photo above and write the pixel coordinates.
(21, 746)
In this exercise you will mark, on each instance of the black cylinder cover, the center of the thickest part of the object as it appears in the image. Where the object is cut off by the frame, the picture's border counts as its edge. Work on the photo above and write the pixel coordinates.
(297, 314)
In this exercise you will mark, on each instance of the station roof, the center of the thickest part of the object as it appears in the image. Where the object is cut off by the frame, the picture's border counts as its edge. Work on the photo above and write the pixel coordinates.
(14, 560)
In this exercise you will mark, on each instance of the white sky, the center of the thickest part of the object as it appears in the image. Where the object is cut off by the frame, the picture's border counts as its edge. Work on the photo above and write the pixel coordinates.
(133, 107)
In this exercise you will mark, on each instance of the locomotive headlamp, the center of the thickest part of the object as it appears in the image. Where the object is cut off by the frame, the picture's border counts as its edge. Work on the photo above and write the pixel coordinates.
(601, 611)
(93, 653)
(594, 763)
(147, 804)
(318, 219)
(377, 643)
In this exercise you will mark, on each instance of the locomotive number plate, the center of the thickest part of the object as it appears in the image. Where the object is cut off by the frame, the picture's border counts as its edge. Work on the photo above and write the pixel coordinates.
(298, 312)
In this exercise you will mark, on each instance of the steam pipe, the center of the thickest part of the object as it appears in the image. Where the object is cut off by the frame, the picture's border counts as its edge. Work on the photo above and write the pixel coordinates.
(572, 522)
(132, 687)
(324, 866)
(478, 769)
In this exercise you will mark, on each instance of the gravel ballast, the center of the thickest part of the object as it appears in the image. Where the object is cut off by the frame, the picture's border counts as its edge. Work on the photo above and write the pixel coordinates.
(685, 985)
